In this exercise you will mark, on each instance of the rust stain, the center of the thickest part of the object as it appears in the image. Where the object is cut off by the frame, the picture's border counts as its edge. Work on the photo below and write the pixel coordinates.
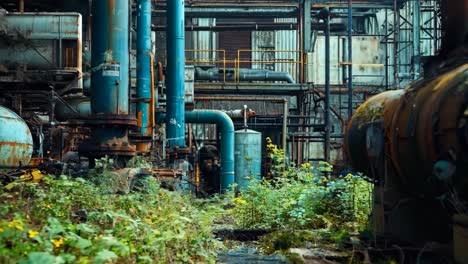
(15, 144)
(17, 154)
(110, 19)
(139, 119)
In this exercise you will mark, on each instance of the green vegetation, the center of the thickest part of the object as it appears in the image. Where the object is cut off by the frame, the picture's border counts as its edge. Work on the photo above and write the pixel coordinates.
(304, 204)
(112, 216)
(75, 221)
(304, 197)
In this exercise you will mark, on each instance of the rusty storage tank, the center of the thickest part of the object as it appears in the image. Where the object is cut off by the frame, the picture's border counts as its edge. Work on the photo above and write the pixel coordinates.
(414, 143)
(16, 143)
(364, 137)
(424, 133)
(248, 157)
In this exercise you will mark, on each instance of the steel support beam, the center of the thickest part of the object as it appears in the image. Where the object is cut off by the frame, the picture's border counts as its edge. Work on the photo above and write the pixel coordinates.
(307, 35)
(416, 39)
(350, 59)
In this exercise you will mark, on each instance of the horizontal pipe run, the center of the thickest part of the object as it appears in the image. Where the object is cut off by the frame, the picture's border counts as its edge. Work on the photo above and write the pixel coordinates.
(247, 75)
(259, 99)
(254, 27)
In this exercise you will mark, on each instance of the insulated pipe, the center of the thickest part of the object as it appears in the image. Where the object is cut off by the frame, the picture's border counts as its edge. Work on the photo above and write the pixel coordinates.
(247, 75)
(227, 140)
(175, 125)
(144, 53)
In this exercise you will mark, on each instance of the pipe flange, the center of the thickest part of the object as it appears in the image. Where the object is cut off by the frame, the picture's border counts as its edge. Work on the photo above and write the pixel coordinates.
(110, 119)
(176, 151)
(116, 147)
(140, 138)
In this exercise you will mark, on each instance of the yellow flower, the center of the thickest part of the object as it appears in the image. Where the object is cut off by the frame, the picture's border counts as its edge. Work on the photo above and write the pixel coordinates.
(348, 176)
(16, 224)
(324, 180)
(47, 205)
(58, 242)
(32, 233)
(305, 165)
(239, 201)
(1, 230)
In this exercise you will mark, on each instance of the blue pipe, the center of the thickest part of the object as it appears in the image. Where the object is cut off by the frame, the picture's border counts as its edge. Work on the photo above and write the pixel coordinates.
(175, 125)
(227, 140)
(109, 81)
(144, 66)
(110, 58)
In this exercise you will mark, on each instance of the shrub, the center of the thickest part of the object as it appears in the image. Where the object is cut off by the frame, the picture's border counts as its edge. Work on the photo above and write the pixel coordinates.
(74, 221)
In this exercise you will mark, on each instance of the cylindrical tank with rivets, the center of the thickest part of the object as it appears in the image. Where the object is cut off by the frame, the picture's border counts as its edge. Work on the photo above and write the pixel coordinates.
(248, 157)
(16, 143)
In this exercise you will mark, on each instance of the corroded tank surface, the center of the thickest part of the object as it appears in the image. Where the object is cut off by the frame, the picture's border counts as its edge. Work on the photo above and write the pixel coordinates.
(16, 143)
(248, 157)
(420, 134)
(371, 113)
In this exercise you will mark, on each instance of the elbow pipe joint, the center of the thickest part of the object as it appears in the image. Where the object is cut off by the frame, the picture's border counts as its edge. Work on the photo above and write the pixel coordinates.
(227, 140)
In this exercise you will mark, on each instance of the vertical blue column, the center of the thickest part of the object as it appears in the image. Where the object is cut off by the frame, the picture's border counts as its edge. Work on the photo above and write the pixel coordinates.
(109, 73)
(175, 125)
(144, 66)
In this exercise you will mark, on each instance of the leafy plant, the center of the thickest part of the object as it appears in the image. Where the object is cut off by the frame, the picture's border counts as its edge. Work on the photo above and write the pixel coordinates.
(304, 197)
(75, 221)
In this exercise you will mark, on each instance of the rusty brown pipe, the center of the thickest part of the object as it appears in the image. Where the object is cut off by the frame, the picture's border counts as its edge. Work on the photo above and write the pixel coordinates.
(21, 6)
(160, 72)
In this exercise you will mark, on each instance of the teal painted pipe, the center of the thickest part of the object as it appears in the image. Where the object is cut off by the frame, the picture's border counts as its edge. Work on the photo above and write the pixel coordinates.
(110, 57)
(78, 107)
(144, 66)
(16, 143)
(109, 78)
(227, 140)
(175, 125)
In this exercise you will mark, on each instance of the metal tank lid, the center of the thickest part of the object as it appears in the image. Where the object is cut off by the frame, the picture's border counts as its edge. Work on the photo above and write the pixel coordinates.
(247, 131)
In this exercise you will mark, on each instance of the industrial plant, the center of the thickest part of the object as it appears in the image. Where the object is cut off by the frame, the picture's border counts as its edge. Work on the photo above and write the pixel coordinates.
(229, 100)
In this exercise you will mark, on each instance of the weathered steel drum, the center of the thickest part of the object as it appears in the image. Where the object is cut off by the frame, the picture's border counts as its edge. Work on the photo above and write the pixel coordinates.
(248, 157)
(420, 134)
(16, 143)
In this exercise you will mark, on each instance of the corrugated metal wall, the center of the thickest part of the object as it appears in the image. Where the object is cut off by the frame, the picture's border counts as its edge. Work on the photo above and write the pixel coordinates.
(273, 44)
(202, 40)
(287, 40)
(367, 56)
